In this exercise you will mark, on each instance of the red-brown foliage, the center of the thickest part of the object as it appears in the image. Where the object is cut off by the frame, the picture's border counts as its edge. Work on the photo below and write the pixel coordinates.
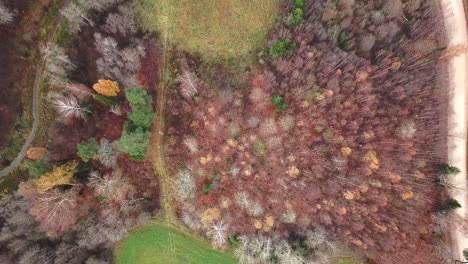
(148, 75)
(353, 153)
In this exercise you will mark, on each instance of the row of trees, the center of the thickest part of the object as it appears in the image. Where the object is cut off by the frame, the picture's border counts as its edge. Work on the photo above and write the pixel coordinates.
(135, 137)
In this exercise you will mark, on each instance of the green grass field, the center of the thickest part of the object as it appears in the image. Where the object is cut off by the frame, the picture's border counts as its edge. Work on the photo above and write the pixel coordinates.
(217, 30)
(157, 244)
(347, 261)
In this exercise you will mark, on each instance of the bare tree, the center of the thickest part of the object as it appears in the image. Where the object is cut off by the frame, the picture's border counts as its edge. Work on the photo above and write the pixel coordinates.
(24, 242)
(122, 22)
(188, 84)
(99, 5)
(256, 249)
(268, 127)
(287, 122)
(286, 255)
(191, 144)
(107, 153)
(77, 13)
(265, 249)
(67, 253)
(218, 233)
(6, 16)
(407, 129)
(58, 64)
(253, 122)
(115, 109)
(18, 223)
(77, 17)
(184, 185)
(112, 186)
(118, 64)
(68, 106)
(81, 91)
(103, 229)
(36, 254)
(57, 211)
(94, 260)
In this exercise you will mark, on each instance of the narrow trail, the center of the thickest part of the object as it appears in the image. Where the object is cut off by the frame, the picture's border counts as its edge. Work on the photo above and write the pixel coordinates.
(455, 24)
(36, 87)
(160, 167)
(157, 151)
(157, 142)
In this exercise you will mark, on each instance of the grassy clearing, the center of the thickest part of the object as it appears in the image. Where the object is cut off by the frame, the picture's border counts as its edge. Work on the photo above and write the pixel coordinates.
(216, 30)
(158, 244)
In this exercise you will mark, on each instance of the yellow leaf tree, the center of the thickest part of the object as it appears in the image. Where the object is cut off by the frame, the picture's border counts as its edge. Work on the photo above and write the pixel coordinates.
(58, 176)
(106, 87)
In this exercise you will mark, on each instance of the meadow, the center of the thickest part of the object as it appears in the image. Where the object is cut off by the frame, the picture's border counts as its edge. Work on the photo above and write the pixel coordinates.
(158, 244)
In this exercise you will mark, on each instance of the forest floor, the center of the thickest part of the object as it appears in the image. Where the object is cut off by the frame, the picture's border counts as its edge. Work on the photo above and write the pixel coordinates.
(455, 20)
(35, 98)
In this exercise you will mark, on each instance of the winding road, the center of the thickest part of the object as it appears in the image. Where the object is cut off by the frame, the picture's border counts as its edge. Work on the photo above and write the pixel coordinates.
(455, 24)
(36, 90)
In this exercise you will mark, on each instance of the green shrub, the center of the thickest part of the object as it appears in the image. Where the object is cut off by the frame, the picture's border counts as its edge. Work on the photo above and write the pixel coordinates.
(465, 253)
(344, 42)
(234, 240)
(87, 149)
(297, 16)
(63, 35)
(135, 143)
(102, 199)
(277, 101)
(37, 168)
(450, 204)
(446, 169)
(299, 3)
(138, 97)
(281, 47)
(207, 187)
(342, 37)
(105, 100)
(260, 147)
(346, 45)
(438, 50)
(142, 116)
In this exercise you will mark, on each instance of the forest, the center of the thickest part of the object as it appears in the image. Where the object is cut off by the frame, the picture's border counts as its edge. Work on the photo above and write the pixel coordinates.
(319, 138)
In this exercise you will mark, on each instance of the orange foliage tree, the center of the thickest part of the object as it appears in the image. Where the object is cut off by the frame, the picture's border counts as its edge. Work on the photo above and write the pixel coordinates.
(58, 176)
(36, 153)
(106, 87)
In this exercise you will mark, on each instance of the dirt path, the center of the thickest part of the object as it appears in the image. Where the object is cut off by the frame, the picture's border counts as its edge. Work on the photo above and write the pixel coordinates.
(455, 23)
(157, 145)
(36, 88)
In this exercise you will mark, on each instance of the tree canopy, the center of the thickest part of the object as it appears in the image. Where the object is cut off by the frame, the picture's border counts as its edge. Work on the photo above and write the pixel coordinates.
(137, 97)
(142, 117)
(87, 149)
(107, 87)
(58, 176)
(135, 143)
